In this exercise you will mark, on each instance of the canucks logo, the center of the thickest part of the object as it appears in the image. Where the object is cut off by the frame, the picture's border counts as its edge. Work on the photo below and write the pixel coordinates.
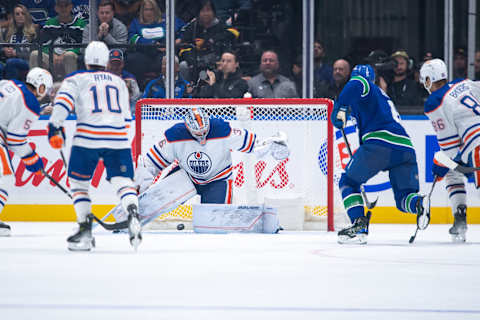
(199, 162)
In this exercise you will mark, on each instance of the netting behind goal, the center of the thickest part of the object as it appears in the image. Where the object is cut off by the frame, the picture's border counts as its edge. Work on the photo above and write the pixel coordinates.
(303, 185)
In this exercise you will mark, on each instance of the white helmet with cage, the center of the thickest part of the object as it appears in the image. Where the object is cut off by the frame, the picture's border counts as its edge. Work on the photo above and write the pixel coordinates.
(197, 122)
(432, 71)
(96, 54)
(41, 80)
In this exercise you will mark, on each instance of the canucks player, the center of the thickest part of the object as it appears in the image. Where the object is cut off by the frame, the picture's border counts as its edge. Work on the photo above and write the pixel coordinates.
(384, 146)
(454, 110)
(100, 102)
(20, 109)
(202, 147)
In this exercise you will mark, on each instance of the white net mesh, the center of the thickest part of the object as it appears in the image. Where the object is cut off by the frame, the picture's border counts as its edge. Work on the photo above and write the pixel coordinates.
(301, 178)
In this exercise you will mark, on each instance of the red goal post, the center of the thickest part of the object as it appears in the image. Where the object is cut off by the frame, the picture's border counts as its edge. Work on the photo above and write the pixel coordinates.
(309, 174)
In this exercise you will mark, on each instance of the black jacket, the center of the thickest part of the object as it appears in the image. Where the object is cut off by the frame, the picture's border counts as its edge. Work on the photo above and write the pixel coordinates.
(232, 87)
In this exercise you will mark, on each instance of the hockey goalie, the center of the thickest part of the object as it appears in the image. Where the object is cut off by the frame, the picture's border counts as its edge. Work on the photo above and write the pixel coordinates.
(194, 157)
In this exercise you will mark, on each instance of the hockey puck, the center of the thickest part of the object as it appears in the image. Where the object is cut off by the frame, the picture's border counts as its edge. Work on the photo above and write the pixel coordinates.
(180, 226)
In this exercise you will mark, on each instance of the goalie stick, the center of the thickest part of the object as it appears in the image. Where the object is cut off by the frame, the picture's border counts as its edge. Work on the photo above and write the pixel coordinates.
(368, 204)
(435, 179)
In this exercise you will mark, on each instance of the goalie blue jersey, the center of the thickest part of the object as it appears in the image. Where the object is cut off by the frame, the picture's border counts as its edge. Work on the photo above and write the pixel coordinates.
(377, 119)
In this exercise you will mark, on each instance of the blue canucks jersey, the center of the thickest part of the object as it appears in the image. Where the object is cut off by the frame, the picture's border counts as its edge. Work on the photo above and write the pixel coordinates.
(377, 119)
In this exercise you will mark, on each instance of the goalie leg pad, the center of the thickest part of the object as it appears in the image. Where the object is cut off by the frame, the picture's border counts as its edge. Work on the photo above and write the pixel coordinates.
(161, 197)
(227, 218)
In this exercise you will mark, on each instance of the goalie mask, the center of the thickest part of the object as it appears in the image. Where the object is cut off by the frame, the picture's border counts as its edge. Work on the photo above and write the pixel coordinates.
(198, 124)
(432, 71)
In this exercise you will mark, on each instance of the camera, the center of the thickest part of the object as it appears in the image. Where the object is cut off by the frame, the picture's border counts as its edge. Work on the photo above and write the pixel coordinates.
(382, 63)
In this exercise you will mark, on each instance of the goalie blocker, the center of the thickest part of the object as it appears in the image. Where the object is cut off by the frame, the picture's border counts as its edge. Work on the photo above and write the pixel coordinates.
(175, 189)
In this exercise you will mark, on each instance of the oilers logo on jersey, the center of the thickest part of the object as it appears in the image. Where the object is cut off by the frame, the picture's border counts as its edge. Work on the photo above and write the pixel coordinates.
(199, 162)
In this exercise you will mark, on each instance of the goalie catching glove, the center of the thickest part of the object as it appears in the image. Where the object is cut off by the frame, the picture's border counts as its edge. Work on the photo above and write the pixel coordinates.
(275, 145)
(56, 136)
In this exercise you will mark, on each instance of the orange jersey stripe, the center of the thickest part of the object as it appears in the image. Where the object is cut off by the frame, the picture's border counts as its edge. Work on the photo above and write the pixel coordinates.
(5, 163)
(470, 134)
(157, 157)
(449, 143)
(70, 103)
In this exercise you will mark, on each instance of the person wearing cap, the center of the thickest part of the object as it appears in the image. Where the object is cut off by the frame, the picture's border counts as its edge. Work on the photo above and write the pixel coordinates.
(62, 29)
(460, 63)
(115, 65)
(109, 29)
(403, 91)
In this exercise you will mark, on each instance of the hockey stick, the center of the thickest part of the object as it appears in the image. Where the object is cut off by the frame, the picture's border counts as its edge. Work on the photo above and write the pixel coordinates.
(441, 158)
(412, 238)
(63, 159)
(56, 183)
(368, 204)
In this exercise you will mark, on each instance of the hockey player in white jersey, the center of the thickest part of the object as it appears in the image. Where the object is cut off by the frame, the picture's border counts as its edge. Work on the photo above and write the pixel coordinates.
(20, 109)
(202, 147)
(454, 110)
(100, 101)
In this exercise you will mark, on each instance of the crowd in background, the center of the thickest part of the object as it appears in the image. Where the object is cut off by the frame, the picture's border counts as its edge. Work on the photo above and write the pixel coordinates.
(224, 49)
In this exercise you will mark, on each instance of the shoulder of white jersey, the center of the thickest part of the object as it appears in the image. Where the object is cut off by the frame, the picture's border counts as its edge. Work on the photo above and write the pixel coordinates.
(77, 72)
(29, 99)
(436, 98)
(178, 132)
(219, 129)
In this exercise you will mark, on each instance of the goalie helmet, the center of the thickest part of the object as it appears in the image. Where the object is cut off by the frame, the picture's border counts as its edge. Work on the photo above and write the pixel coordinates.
(38, 77)
(364, 70)
(96, 54)
(198, 124)
(432, 71)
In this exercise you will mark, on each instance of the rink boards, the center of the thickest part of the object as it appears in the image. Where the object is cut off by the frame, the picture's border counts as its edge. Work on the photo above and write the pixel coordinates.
(36, 199)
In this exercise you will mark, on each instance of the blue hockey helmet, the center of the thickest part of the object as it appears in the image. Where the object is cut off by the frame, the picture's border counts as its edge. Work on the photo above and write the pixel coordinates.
(364, 70)
(197, 122)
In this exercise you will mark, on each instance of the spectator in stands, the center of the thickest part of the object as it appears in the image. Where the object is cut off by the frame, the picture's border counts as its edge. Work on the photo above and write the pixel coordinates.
(227, 9)
(204, 39)
(126, 10)
(477, 65)
(148, 29)
(341, 75)
(460, 63)
(297, 72)
(227, 83)
(109, 29)
(20, 29)
(269, 83)
(41, 10)
(402, 90)
(321, 71)
(6, 8)
(81, 9)
(156, 87)
(62, 29)
(115, 65)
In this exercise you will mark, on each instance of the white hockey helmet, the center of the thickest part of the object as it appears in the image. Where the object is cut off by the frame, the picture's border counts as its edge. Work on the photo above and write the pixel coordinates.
(96, 54)
(432, 71)
(41, 80)
(198, 124)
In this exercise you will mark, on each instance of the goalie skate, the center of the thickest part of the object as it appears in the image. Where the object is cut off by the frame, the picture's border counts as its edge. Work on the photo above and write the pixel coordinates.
(4, 229)
(82, 240)
(459, 228)
(134, 226)
(357, 233)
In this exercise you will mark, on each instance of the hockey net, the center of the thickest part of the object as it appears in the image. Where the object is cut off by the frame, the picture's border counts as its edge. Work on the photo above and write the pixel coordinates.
(303, 186)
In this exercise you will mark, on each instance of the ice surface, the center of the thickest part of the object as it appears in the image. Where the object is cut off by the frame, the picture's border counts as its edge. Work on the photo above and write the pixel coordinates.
(292, 275)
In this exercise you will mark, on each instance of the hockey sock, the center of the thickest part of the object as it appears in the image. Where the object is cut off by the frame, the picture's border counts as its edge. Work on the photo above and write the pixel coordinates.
(81, 198)
(410, 204)
(3, 198)
(5, 180)
(353, 202)
(457, 195)
(125, 191)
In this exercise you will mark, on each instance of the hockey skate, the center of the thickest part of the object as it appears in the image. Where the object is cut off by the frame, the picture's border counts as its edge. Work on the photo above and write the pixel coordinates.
(459, 228)
(357, 233)
(82, 240)
(134, 226)
(423, 213)
(4, 229)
